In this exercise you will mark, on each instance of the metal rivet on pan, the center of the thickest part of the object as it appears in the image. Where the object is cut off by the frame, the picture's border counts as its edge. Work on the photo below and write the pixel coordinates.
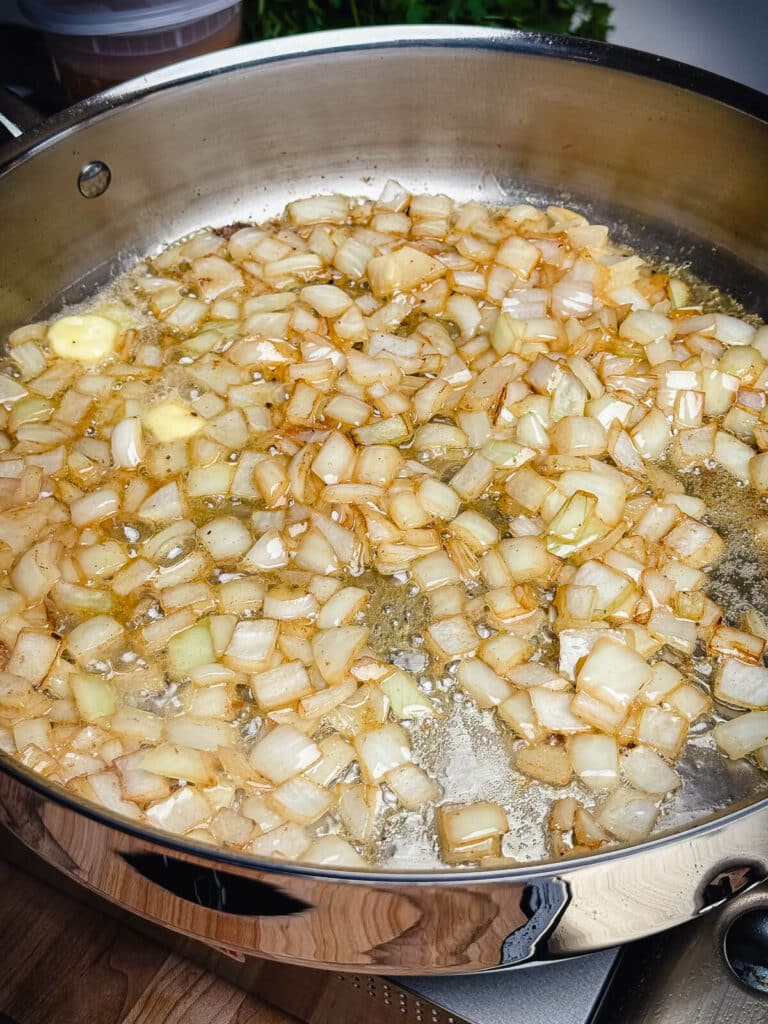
(93, 180)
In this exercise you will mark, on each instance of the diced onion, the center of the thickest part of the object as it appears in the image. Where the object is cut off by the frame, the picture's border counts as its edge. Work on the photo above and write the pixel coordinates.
(742, 735)
(281, 686)
(288, 842)
(645, 770)
(92, 636)
(742, 685)
(177, 762)
(482, 684)
(190, 648)
(412, 786)
(182, 811)
(251, 644)
(300, 800)
(95, 506)
(553, 711)
(226, 538)
(613, 673)
(283, 753)
(628, 815)
(374, 461)
(402, 271)
(595, 760)
(405, 698)
(334, 651)
(469, 830)
(358, 805)
(663, 730)
(342, 607)
(546, 763)
(95, 697)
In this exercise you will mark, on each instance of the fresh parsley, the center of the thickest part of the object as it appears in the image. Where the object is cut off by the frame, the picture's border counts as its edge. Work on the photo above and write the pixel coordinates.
(265, 19)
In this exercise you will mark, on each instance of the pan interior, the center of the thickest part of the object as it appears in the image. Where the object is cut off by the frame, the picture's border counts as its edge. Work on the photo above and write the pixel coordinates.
(471, 752)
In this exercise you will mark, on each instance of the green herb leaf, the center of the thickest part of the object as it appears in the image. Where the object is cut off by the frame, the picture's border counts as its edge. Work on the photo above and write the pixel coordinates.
(265, 19)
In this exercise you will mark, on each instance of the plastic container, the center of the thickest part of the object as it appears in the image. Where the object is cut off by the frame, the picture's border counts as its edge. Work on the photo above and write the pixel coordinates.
(95, 44)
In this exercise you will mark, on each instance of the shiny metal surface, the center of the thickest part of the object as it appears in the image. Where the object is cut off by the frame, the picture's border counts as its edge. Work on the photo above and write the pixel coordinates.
(477, 114)
(674, 978)
(682, 977)
(744, 945)
(448, 923)
(470, 112)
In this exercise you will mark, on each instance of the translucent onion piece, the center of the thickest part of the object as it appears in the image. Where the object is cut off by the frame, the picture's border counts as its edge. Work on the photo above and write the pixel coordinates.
(613, 673)
(743, 735)
(645, 770)
(381, 750)
(469, 830)
(628, 815)
(283, 753)
(595, 760)
(742, 685)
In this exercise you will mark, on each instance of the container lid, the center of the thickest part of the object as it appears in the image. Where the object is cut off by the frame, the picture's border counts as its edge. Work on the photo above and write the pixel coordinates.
(116, 17)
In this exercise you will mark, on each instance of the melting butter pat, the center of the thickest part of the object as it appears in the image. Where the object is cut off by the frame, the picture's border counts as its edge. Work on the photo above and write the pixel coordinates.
(172, 421)
(85, 337)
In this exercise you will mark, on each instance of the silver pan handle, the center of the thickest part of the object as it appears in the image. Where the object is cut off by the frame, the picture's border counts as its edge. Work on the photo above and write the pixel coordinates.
(544, 902)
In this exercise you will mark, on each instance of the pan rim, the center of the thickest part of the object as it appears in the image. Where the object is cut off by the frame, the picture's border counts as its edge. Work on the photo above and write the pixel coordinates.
(225, 858)
(664, 70)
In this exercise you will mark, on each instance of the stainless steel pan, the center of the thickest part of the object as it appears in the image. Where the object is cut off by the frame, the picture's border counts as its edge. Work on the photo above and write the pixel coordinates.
(672, 158)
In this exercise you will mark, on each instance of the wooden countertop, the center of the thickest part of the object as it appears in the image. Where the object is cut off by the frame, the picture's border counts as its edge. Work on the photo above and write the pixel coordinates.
(62, 962)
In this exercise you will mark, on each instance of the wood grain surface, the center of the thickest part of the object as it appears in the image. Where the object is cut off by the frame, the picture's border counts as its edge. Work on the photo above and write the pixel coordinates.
(64, 963)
